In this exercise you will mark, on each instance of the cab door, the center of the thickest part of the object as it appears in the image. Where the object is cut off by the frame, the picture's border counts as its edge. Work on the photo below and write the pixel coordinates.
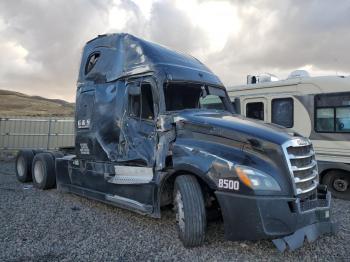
(139, 124)
(255, 108)
(131, 183)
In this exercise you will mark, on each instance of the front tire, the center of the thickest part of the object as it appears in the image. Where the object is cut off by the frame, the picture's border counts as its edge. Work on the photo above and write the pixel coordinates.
(24, 161)
(43, 170)
(338, 182)
(190, 211)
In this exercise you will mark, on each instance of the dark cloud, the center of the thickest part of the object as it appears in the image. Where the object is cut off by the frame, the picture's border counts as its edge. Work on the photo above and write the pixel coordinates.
(171, 27)
(53, 33)
(42, 40)
(285, 35)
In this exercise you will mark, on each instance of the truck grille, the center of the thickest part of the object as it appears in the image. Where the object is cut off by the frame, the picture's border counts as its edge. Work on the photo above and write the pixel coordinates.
(302, 165)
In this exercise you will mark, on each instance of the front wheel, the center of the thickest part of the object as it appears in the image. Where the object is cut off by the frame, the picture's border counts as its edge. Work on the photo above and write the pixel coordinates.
(190, 211)
(338, 182)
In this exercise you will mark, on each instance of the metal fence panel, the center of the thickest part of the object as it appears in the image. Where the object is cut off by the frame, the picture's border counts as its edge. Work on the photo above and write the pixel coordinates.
(36, 132)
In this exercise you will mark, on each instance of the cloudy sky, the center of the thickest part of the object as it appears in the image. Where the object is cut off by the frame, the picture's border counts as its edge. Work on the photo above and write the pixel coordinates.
(41, 40)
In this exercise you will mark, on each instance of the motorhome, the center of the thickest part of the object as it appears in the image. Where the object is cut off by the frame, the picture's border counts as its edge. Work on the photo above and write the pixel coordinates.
(314, 107)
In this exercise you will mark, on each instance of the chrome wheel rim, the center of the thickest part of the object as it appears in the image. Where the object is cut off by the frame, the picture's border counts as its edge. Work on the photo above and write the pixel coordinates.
(20, 166)
(38, 172)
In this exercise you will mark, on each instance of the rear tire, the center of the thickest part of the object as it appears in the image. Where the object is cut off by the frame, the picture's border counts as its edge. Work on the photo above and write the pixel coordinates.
(338, 182)
(43, 170)
(190, 211)
(24, 161)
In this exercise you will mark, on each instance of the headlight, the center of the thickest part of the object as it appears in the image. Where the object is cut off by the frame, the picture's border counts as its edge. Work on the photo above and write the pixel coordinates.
(256, 179)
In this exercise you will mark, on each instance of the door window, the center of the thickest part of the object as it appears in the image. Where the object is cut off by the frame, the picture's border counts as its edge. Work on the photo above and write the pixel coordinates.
(282, 112)
(255, 110)
(141, 105)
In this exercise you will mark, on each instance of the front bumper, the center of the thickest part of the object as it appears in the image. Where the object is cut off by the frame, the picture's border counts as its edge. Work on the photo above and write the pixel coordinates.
(284, 219)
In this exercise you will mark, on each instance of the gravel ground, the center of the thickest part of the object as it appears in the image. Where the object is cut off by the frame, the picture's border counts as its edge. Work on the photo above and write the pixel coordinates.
(38, 225)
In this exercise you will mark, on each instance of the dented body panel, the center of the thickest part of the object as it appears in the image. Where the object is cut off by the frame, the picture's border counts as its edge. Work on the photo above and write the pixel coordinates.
(131, 144)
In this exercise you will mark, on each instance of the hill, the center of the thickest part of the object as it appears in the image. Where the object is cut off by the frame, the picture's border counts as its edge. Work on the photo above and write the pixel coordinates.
(18, 104)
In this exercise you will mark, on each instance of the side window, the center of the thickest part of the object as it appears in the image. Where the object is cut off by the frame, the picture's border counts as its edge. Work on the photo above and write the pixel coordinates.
(332, 113)
(141, 105)
(282, 112)
(91, 62)
(342, 120)
(325, 119)
(255, 110)
(147, 111)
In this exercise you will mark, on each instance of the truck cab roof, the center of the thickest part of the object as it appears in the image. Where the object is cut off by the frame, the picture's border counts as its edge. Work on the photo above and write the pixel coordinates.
(107, 58)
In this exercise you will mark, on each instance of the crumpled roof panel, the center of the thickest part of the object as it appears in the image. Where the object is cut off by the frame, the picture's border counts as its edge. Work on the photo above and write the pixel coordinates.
(122, 55)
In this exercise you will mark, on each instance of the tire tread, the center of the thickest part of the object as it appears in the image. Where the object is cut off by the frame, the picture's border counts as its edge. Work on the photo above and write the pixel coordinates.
(194, 210)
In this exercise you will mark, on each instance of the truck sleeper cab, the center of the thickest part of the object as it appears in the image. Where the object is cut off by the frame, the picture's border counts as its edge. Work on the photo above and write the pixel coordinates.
(147, 136)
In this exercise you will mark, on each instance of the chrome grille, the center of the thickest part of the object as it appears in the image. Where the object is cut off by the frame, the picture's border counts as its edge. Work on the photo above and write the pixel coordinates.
(302, 165)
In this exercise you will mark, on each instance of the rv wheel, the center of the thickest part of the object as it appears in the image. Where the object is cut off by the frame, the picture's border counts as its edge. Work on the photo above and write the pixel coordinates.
(190, 211)
(43, 169)
(24, 165)
(338, 182)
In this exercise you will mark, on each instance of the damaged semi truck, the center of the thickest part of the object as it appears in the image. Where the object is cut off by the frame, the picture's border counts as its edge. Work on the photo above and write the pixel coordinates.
(155, 128)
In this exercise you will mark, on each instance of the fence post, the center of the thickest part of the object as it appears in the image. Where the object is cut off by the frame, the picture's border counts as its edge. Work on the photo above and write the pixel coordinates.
(49, 135)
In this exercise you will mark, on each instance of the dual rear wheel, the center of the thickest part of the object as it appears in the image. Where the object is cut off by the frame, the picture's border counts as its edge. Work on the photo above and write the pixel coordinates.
(39, 168)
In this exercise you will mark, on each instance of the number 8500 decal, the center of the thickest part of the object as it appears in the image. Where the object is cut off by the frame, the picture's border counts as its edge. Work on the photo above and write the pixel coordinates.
(228, 184)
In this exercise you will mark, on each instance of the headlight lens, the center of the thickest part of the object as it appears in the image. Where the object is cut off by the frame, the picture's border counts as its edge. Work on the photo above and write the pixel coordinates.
(256, 179)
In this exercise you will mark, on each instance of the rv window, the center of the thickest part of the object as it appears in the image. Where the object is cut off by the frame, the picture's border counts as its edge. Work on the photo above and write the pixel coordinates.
(342, 122)
(142, 105)
(282, 112)
(325, 119)
(255, 110)
(332, 113)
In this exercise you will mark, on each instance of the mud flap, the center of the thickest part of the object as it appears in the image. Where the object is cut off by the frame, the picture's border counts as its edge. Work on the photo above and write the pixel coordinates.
(310, 232)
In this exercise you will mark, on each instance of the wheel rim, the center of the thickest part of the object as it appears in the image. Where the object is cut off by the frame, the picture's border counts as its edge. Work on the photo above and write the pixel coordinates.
(180, 216)
(38, 172)
(341, 185)
(21, 166)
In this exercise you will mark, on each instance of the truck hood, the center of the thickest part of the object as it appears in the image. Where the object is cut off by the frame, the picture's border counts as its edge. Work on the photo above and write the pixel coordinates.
(232, 126)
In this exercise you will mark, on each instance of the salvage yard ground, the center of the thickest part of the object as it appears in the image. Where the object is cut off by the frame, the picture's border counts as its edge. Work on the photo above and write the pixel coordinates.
(38, 225)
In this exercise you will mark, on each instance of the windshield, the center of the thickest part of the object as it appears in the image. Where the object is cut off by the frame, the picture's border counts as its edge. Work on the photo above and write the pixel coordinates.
(180, 96)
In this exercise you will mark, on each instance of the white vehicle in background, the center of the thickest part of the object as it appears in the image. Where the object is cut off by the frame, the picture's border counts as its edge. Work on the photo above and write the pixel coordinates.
(315, 107)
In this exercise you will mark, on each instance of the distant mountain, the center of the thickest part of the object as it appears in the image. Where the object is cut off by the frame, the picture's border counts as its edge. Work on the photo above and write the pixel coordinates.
(18, 104)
